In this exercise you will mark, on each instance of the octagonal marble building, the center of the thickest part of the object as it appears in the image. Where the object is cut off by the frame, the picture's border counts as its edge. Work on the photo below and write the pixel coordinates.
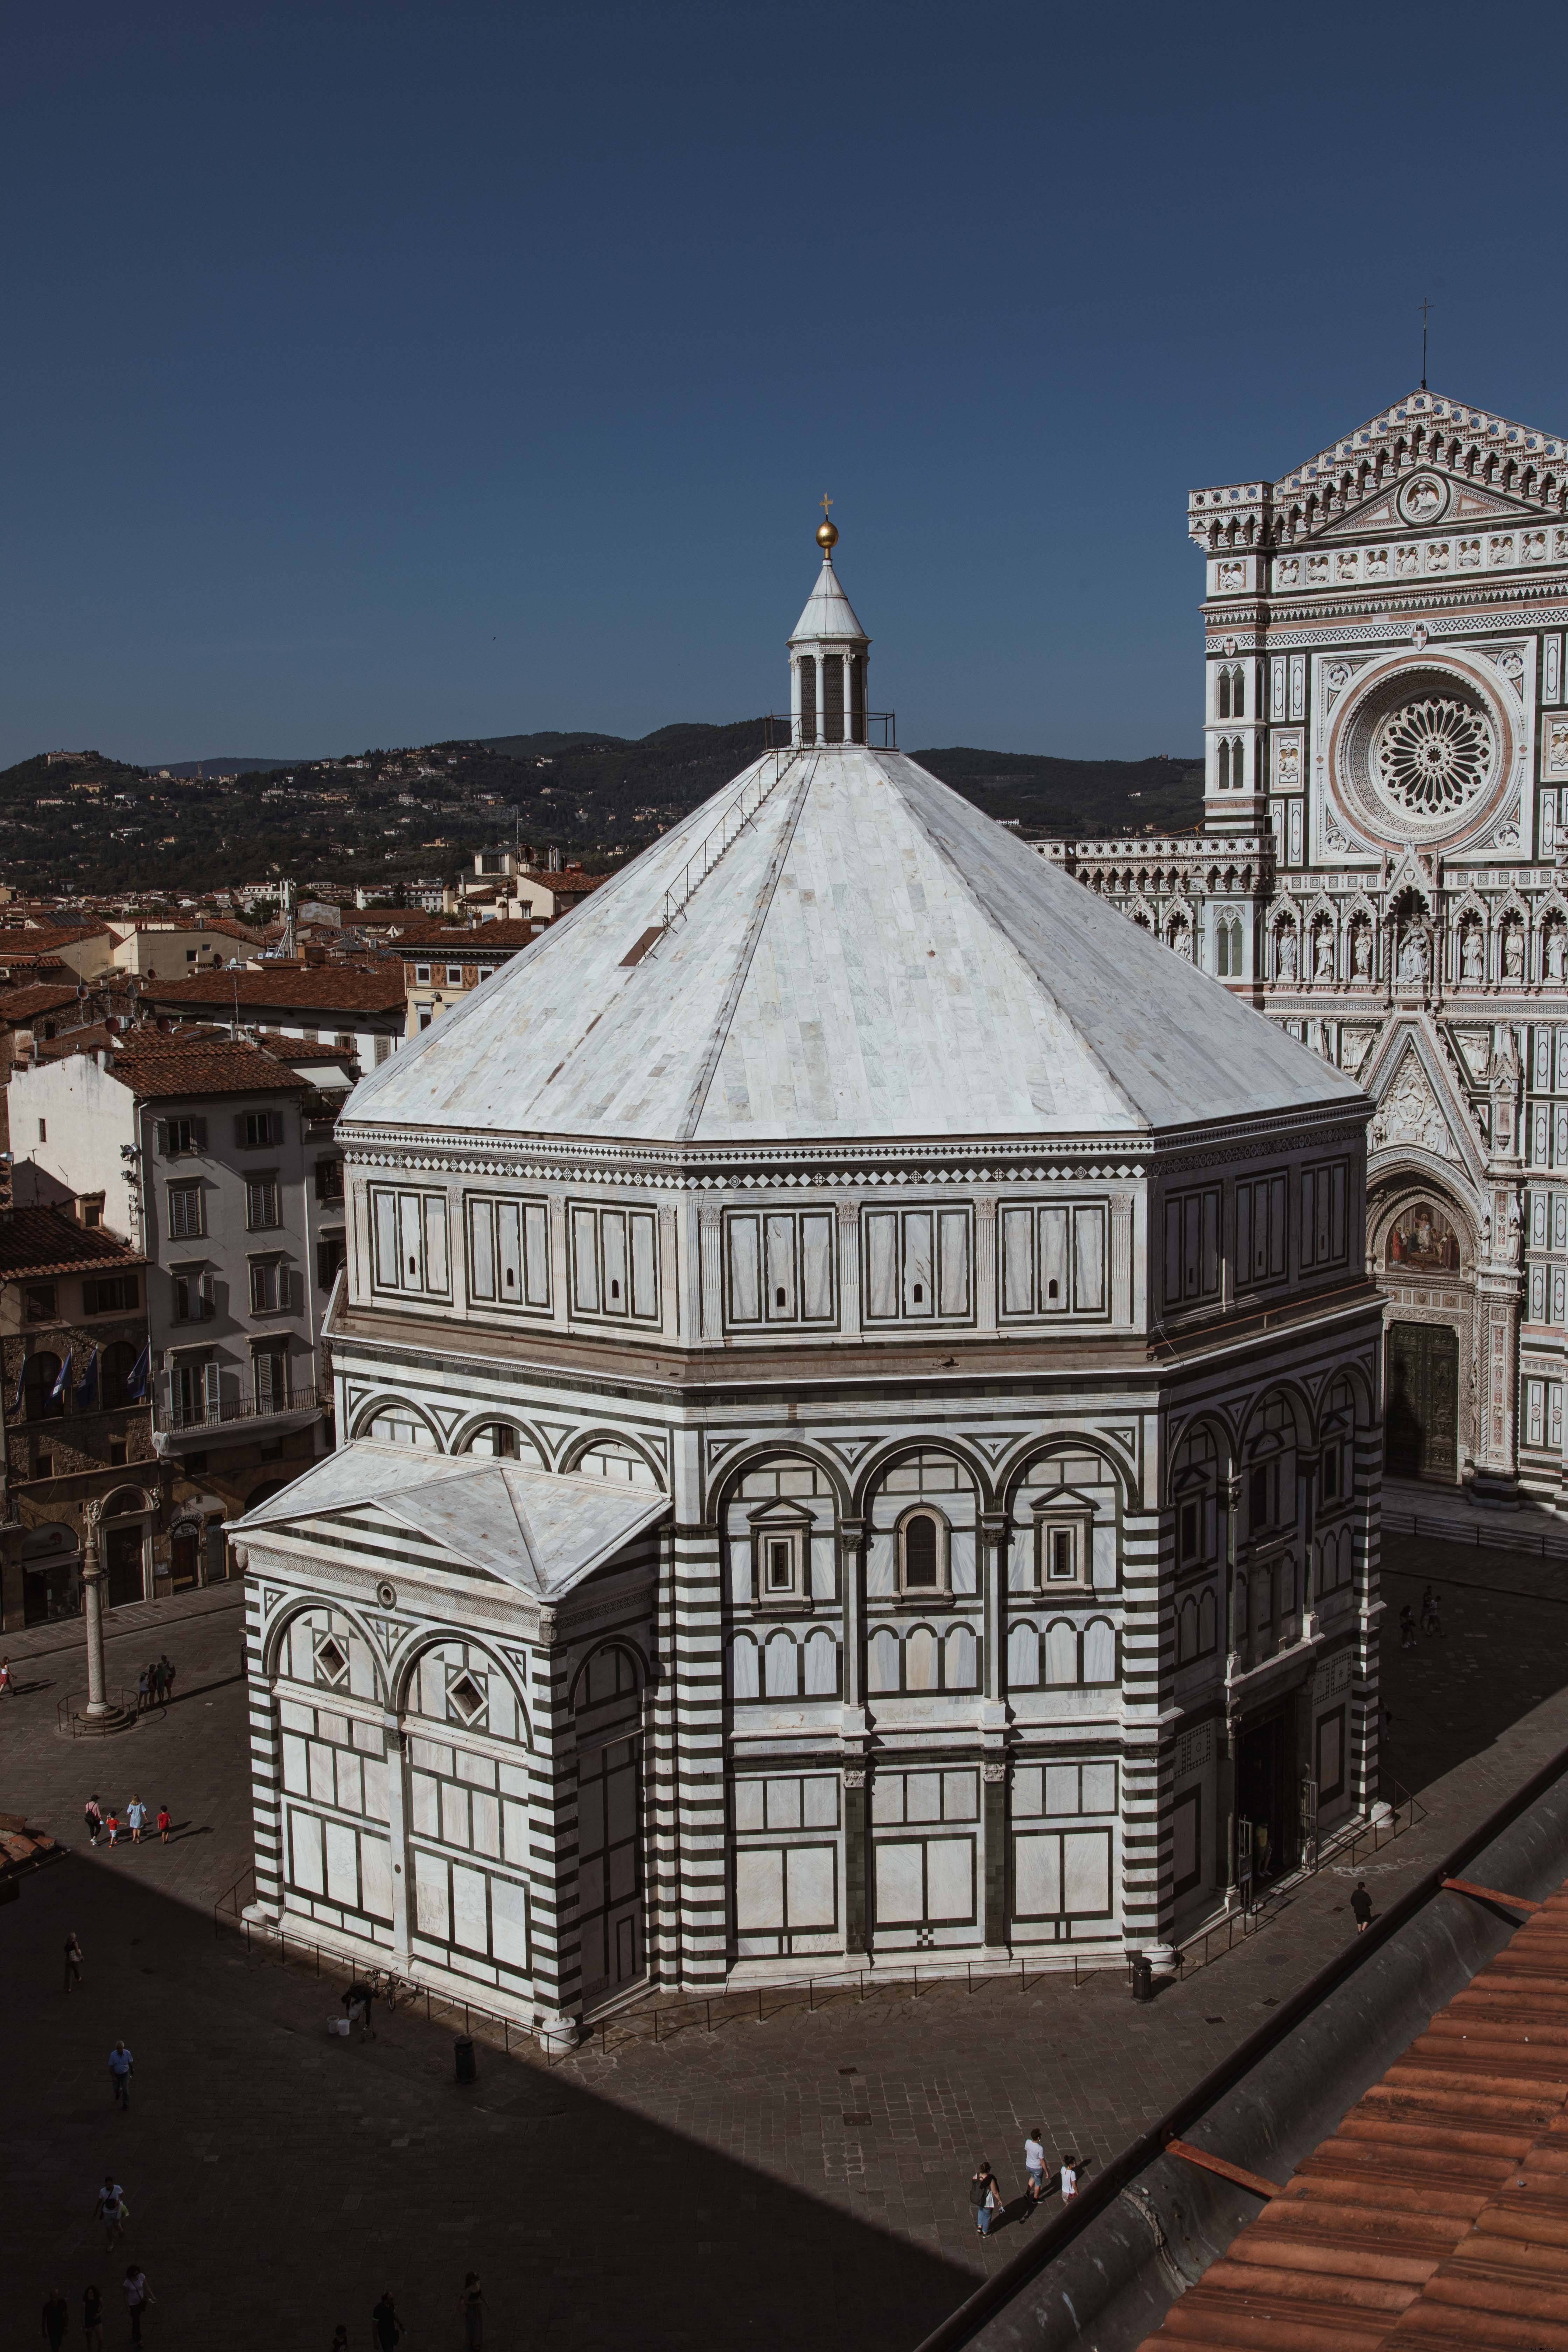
(857, 1385)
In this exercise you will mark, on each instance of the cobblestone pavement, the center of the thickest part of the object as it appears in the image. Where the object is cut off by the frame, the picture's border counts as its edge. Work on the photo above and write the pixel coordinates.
(718, 2190)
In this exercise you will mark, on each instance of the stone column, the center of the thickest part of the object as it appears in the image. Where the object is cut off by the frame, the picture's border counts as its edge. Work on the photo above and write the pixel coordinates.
(985, 1289)
(98, 1714)
(555, 1950)
(1307, 1467)
(856, 1854)
(848, 1213)
(395, 1747)
(709, 1222)
(994, 1829)
(1224, 1774)
(855, 1732)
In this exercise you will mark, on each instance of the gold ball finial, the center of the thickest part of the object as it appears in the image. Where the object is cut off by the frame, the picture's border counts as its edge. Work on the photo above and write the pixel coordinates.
(826, 532)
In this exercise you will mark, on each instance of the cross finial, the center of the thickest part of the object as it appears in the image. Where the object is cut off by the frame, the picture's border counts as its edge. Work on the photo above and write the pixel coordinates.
(826, 529)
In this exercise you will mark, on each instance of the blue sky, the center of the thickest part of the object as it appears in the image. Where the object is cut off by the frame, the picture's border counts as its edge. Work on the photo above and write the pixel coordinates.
(381, 373)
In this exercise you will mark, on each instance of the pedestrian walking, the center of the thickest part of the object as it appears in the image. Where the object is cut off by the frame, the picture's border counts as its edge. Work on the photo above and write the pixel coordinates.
(92, 1814)
(1067, 2168)
(73, 1961)
(1035, 2163)
(384, 2324)
(166, 1678)
(57, 2312)
(136, 1818)
(165, 1824)
(1431, 1622)
(121, 2067)
(93, 2318)
(138, 2295)
(984, 2196)
(7, 1680)
(143, 1689)
(112, 2210)
(471, 2303)
(341, 2337)
(1407, 1627)
(357, 2003)
(111, 1823)
(1361, 1904)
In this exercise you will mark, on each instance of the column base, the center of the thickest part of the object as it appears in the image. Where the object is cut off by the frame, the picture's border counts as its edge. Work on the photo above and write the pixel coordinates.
(558, 2033)
(99, 1726)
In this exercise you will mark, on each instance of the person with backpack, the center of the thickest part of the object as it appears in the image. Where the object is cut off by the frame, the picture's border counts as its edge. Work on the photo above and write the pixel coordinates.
(138, 2295)
(112, 2210)
(1361, 1904)
(92, 1814)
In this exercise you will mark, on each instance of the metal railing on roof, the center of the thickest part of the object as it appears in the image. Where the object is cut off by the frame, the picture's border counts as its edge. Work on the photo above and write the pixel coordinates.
(878, 730)
(741, 813)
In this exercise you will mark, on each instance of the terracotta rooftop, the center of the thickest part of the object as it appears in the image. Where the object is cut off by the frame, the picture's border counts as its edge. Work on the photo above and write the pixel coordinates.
(302, 1049)
(325, 988)
(22, 1005)
(45, 1241)
(1436, 2217)
(173, 1067)
(471, 945)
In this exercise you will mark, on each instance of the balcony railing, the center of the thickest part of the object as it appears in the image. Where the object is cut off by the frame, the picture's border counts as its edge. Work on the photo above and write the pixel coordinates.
(878, 730)
(264, 1404)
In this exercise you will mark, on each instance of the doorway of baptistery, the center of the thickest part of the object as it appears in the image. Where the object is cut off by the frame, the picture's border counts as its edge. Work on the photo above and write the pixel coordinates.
(610, 1893)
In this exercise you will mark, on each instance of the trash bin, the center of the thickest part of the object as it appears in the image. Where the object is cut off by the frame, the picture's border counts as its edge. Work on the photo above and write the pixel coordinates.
(1143, 1977)
(466, 2070)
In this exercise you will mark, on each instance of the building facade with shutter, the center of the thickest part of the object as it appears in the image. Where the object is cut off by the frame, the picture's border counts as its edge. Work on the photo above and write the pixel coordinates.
(859, 1413)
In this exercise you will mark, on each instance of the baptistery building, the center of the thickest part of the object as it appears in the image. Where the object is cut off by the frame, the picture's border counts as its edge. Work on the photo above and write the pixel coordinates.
(859, 1395)
(1380, 869)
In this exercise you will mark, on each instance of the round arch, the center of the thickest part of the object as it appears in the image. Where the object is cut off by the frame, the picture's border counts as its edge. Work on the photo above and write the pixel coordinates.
(761, 1456)
(872, 1472)
(1302, 1412)
(464, 1434)
(1220, 1426)
(302, 1606)
(397, 1408)
(1012, 1472)
(615, 1646)
(615, 1443)
(423, 1640)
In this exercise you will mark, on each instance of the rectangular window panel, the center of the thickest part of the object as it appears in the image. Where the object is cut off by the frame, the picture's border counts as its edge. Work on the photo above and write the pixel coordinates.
(470, 1916)
(1086, 1873)
(454, 1814)
(432, 1901)
(376, 1877)
(305, 1849)
(819, 1802)
(385, 1209)
(901, 1885)
(481, 1251)
(584, 1261)
(411, 1242)
(1098, 1788)
(745, 1269)
(749, 1814)
(294, 1765)
(615, 1298)
(952, 1254)
(759, 1891)
(1185, 1841)
(509, 1252)
(536, 1253)
(817, 1269)
(1017, 1261)
(645, 1268)
(881, 1233)
(1089, 1260)
(919, 1294)
(343, 1865)
(509, 1924)
(1036, 1874)
(922, 1796)
(1055, 1295)
(778, 1255)
(811, 1886)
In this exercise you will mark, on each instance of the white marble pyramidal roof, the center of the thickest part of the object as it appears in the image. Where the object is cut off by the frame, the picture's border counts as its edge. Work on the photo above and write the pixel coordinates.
(871, 957)
(828, 612)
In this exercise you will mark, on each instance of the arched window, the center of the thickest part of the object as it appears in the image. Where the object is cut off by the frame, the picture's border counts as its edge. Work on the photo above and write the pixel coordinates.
(821, 1665)
(1238, 694)
(742, 1667)
(1222, 703)
(623, 1464)
(1208, 1616)
(1237, 766)
(923, 1562)
(882, 1660)
(1099, 1651)
(960, 1660)
(920, 1660)
(1062, 1652)
(1224, 764)
(1186, 1631)
(496, 1437)
(1024, 1658)
(116, 1365)
(398, 1426)
(783, 1667)
(39, 1375)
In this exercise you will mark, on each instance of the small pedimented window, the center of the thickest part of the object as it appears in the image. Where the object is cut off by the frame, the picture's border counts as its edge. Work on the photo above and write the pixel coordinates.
(922, 1553)
(332, 1662)
(781, 1541)
(465, 1702)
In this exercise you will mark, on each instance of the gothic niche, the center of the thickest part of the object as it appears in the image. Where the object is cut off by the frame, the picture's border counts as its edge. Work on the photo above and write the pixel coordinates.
(1285, 952)
(1555, 952)
(1513, 953)
(1360, 955)
(1472, 956)
(1422, 1241)
(1323, 953)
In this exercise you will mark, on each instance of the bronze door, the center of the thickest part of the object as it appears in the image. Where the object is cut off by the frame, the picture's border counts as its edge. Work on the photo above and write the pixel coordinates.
(1421, 1419)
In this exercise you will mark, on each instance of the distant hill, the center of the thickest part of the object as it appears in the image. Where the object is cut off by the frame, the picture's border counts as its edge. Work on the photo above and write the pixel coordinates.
(534, 746)
(1064, 798)
(199, 769)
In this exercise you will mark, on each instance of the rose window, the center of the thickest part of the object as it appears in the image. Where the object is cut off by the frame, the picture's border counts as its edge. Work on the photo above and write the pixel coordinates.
(1433, 756)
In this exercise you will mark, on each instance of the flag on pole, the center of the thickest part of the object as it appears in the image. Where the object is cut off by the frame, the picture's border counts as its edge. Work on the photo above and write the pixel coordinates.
(141, 1371)
(87, 1387)
(62, 1378)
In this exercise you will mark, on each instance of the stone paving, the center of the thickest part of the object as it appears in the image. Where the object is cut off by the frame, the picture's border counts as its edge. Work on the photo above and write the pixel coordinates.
(715, 2190)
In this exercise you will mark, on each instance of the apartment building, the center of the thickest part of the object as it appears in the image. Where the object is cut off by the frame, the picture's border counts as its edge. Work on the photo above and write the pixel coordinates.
(361, 1012)
(441, 967)
(74, 1363)
(214, 1159)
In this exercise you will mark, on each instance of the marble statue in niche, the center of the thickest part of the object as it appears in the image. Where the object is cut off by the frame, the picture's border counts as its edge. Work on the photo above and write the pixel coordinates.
(1361, 952)
(1513, 953)
(1287, 954)
(1471, 960)
(1413, 960)
(1323, 954)
(1557, 949)
(1423, 1242)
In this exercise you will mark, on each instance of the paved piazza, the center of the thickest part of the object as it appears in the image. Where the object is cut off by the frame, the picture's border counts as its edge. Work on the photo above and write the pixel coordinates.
(711, 2192)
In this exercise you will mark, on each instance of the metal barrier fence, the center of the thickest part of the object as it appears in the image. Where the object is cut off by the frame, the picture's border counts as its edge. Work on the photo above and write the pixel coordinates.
(1550, 1542)
(69, 1709)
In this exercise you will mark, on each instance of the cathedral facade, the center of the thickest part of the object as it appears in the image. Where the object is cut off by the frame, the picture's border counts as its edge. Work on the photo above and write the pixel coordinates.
(1380, 871)
(860, 1408)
